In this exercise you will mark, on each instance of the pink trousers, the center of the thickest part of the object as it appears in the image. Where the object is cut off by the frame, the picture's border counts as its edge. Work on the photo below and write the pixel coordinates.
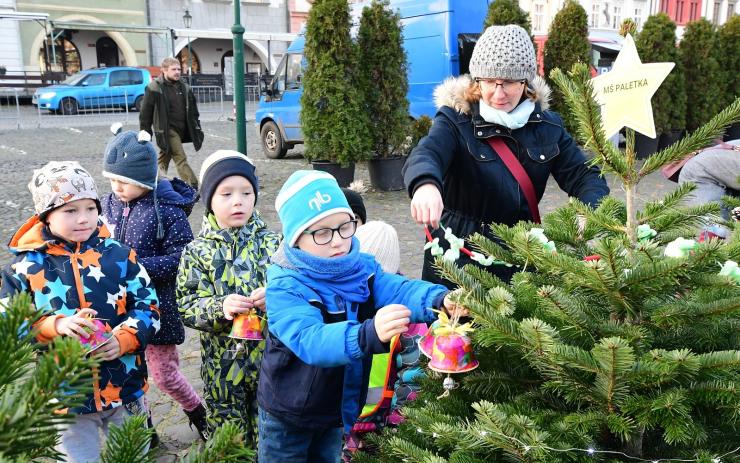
(164, 367)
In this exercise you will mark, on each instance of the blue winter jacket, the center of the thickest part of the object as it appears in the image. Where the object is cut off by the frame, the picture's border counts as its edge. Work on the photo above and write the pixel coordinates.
(318, 353)
(135, 225)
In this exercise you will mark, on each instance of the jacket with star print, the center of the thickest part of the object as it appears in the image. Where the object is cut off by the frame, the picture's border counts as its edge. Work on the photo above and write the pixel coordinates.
(101, 274)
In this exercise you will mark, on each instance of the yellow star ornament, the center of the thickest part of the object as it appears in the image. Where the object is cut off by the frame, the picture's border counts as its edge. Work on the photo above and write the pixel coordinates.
(624, 92)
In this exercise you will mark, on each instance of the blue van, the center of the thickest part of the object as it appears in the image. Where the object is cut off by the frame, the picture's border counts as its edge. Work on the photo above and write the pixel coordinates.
(438, 36)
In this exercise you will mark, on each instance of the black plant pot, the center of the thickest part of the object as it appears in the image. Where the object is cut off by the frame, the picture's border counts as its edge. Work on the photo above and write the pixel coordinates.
(645, 146)
(385, 174)
(344, 175)
(732, 132)
(667, 139)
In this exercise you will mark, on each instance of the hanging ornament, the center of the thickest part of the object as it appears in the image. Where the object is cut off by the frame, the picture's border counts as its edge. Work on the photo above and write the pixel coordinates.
(457, 246)
(730, 269)
(645, 233)
(247, 326)
(680, 247)
(539, 235)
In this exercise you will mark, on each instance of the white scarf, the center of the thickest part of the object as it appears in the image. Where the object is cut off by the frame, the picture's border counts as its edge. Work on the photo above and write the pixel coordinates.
(514, 119)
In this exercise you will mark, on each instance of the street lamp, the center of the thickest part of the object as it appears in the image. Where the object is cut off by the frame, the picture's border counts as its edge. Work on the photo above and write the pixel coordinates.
(187, 20)
(241, 123)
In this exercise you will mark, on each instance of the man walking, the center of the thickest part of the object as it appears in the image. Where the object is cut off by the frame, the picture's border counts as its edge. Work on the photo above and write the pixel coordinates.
(169, 105)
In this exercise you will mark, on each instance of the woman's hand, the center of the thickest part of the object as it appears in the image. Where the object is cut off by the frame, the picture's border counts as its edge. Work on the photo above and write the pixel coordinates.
(426, 205)
(235, 304)
(72, 326)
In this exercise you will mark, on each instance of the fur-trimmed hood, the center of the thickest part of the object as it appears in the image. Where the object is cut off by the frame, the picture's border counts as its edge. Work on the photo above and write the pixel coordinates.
(455, 92)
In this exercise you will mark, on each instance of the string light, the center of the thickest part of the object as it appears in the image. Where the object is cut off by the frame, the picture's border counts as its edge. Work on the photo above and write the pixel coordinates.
(592, 451)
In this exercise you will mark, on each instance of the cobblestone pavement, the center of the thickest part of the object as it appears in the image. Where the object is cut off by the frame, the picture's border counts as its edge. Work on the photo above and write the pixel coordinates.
(26, 149)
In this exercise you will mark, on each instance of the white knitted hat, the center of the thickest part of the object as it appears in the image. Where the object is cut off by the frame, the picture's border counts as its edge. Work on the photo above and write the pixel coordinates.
(381, 240)
(58, 183)
(504, 52)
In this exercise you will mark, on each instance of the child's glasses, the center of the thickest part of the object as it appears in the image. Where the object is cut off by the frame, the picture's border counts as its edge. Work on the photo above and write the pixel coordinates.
(324, 236)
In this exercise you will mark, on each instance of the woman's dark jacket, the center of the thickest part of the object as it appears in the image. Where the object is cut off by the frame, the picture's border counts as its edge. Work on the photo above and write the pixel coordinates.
(154, 119)
(137, 228)
(477, 188)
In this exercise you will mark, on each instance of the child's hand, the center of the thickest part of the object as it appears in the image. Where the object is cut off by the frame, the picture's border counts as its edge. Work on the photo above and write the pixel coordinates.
(111, 350)
(258, 298)
(235, 304)
(391, 320)
(73, 325)
(454, 308)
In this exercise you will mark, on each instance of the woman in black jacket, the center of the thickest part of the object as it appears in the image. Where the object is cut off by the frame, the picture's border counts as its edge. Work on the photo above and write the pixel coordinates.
(455, 174)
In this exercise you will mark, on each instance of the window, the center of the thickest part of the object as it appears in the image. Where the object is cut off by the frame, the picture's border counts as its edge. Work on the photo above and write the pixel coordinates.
(135, 77)
(278, 81)
(638, 17)
(730, 11)
(595, 7)
(119, 78)
(93, 79)
(295, 72)
(617, 17)
(539, 17)
(715, 13)
(692, 11)
(67, 57)
(679, 12)
(664, 6)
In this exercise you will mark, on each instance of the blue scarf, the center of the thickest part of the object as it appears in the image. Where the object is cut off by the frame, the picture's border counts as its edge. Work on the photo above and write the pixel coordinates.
(515, 119)
(345, 276)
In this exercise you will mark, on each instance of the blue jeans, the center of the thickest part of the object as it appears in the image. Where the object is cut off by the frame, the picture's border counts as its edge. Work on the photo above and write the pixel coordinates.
(282, 442)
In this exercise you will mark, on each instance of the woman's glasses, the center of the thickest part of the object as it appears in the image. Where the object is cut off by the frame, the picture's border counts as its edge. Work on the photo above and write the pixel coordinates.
(508, 86)
(324, 236)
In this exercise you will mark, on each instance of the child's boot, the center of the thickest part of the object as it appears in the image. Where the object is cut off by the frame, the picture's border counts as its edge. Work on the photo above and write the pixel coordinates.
(154, 442)
(197, 418)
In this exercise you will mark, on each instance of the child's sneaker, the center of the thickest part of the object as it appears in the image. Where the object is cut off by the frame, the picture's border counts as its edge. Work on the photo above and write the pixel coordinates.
(197, 418)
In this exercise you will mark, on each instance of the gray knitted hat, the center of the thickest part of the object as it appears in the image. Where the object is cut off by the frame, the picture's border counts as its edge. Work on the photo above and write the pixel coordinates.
(504, 52)
(131, 160)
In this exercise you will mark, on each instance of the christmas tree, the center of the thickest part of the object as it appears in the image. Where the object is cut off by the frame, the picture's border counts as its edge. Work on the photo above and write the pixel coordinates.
(39, 382)
(618, 340)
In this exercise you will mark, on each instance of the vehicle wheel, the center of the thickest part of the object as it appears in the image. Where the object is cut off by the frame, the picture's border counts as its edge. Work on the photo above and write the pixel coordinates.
(137, 103)
(68, 106)
(272, 142)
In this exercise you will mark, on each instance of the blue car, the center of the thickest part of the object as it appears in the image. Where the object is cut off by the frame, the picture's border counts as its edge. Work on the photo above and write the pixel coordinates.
(102, 88)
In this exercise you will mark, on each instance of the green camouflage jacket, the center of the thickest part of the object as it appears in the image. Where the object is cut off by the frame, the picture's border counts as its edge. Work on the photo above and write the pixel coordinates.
(217, 263)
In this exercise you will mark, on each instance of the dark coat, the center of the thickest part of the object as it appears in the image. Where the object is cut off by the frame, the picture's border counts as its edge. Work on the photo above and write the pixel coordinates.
(154, 113)
(477, 188)
(137, 228)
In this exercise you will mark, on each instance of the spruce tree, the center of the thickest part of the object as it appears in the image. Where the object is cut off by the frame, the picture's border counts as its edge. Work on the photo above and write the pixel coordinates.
(656, 44)
(39, 382)
(333, 114)
(699, 53)
(615, 341)
(503, 12)
(382, 73)
(729, 43)
(567, 44)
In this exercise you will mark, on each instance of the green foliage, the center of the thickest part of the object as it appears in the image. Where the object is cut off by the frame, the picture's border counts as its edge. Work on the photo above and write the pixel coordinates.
(382, 73)
(503, 12)
(39, 382)
(699, 53)
(333, 114)
(729, 44)
(634, 353)
(628, 26)
(36, 384)
(567, 44)
(419, 129)
(657, 44)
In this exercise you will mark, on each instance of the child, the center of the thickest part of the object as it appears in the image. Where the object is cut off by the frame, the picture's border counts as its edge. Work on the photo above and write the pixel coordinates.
(151, 217)
(222, 274)
(329, 308)
(354, 199)
(66, 260)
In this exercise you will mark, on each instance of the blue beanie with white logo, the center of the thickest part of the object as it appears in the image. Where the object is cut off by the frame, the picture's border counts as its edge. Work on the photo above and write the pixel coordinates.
(307, 197)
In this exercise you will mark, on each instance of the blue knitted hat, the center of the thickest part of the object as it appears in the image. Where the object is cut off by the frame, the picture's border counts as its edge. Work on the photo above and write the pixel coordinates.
(307, 197)
(131, 160)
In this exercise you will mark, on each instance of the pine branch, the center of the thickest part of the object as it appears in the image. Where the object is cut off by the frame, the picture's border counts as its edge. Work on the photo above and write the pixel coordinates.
(226, 445)
(129, 443)
(702, 137)
(685, 313)
(672, 200)
(614, 359)
(579, 96)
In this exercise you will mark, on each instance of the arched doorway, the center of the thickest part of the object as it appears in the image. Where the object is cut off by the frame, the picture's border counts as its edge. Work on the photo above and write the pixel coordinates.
(183, 57)
(107, 52)
(67, 57)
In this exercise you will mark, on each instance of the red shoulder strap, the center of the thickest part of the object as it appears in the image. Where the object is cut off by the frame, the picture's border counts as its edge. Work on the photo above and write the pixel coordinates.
(516, 169)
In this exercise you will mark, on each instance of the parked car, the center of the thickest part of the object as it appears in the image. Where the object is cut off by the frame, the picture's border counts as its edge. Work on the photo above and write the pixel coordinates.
(100, 88)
